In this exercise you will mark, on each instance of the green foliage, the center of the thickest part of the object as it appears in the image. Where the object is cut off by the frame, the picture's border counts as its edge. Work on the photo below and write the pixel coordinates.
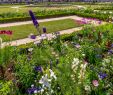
(5, 87)
(74, 66)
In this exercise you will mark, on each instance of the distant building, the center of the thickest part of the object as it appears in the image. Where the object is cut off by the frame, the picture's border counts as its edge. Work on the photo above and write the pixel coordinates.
(30, 1)
(98, 0)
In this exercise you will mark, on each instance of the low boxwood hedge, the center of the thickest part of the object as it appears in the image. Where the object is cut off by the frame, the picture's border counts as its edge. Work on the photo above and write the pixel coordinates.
(39, 16)
(55, 13)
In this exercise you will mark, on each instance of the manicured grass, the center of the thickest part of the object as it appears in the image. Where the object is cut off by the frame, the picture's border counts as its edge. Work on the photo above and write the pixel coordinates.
(23, 31)
(25, 9)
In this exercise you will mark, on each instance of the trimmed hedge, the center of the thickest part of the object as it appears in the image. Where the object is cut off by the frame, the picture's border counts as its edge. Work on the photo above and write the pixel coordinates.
(105, 8)
(17, 19)
(56, 13)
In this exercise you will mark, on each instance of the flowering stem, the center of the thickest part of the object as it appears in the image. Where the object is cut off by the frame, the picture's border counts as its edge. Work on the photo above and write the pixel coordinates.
(38, 30)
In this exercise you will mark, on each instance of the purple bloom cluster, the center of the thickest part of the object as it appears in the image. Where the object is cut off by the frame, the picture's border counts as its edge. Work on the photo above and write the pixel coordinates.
(33, 36)
(102, 75)
(44, 30)
(32, 89)
(38, 68)
(110, 51)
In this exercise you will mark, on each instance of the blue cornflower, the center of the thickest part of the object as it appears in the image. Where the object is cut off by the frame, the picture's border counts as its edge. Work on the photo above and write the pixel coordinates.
(102, 75)
(38, 68)
(32, 90)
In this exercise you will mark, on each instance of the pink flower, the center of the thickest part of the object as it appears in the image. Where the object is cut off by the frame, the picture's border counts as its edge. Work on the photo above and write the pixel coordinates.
(95, 83)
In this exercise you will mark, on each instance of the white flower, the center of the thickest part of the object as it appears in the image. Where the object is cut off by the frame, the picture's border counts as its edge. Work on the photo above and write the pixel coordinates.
(43, 36)
(42, 90)
(37, 42)
(32, 85)
(75, 61)
(106, 61)
(52, 91)
(83, 66)
(110, 12)
(75, 64)
(52, 74)
(104, 12)
(45, 81)
(35, 91)
(82, 71)
(83, 54)
(30, 49)
(87, 88)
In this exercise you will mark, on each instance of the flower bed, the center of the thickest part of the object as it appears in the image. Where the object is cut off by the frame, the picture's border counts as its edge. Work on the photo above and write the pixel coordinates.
(81, 64)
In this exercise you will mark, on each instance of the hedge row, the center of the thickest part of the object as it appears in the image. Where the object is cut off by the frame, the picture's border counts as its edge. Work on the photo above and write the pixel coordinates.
(105, 8)
(18, 19)
(84, 13)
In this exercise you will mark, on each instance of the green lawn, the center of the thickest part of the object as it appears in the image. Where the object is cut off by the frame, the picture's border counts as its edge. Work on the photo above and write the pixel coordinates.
(23, 31)
(25, 9)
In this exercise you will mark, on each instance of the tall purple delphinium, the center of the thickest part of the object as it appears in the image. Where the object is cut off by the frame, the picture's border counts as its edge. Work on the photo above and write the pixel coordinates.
(35, 22)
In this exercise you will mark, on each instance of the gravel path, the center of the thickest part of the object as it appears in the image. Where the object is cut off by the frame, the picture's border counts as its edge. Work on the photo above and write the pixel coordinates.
(41, 20)
(28, 40)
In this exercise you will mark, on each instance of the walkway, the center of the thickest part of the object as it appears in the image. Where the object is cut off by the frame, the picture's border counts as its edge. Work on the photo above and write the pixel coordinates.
(28, 40)
(41, 20)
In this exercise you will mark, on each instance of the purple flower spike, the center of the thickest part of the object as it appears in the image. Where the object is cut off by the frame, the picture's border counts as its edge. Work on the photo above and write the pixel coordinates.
(102, 75)
(38, 68)
(44, 30)
(35, 22)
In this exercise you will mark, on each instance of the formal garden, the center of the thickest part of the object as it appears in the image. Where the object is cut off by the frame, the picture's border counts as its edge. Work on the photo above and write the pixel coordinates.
(60, 49)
